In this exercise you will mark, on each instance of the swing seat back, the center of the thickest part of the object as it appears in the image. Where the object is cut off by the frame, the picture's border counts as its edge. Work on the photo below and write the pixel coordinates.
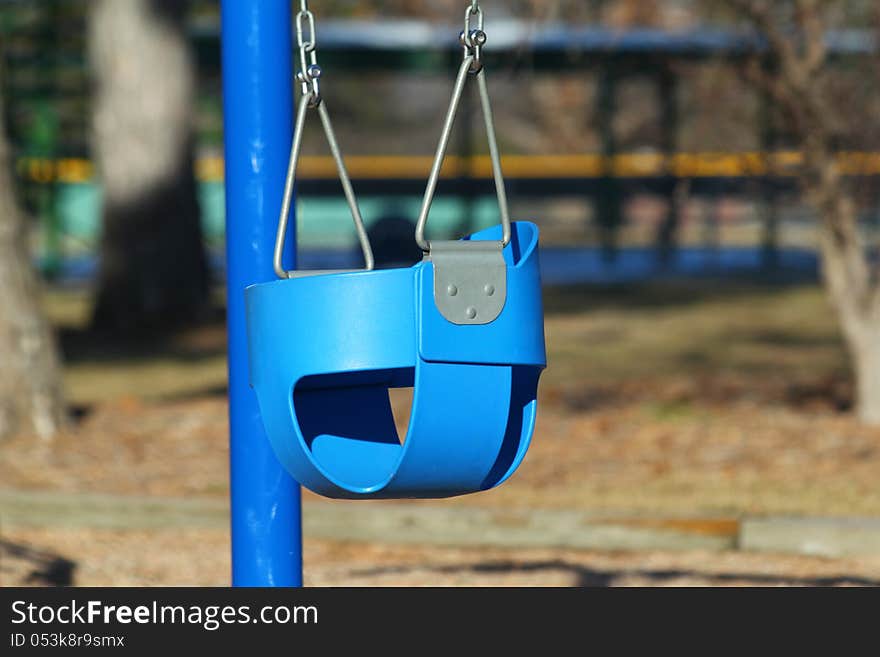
(325, 350)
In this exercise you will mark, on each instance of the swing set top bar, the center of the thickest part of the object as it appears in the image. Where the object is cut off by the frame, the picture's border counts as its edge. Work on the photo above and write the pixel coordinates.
(553, 37)
(515, 35)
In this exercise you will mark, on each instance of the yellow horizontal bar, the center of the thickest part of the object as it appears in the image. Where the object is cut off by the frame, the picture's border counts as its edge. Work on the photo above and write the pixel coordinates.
(407, 167)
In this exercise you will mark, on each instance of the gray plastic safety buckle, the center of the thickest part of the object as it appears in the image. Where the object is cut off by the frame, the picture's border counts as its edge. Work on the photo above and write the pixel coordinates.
(470, 280)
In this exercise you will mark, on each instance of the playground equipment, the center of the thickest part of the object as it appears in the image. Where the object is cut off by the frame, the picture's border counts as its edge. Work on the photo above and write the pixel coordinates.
(464, 328)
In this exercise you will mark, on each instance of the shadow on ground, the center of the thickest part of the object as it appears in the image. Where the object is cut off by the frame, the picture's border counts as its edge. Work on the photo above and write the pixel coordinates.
(196, 344)
(25, 565)
(589, 577)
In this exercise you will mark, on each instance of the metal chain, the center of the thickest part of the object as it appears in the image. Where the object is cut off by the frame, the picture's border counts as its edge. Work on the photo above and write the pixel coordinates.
(309, 75)
(473, 41)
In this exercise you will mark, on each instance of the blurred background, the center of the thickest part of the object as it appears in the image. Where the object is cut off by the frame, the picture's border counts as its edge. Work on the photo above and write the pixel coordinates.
(706, 177)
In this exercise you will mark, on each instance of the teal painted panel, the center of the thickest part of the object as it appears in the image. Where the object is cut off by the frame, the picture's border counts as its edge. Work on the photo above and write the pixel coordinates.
(212, 201)
(78, 210)
(326, 222)
(321, 223)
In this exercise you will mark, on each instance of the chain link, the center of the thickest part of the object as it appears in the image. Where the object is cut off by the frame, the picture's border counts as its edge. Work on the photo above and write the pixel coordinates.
(309, 74)
(473, 39)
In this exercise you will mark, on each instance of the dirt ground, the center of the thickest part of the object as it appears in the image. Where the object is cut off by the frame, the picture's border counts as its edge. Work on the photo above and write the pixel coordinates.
(635, 455)
(201, 558)
(674, 400)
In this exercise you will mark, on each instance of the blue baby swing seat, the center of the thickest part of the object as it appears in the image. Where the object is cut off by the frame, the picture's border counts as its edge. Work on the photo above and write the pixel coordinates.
(326, 349)
(464, 328)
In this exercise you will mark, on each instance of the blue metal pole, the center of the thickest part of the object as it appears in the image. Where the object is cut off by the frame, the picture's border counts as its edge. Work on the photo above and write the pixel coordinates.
(257, 97)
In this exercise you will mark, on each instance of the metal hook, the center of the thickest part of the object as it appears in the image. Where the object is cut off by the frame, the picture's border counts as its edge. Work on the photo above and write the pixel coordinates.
(494, 154)
(307, 102)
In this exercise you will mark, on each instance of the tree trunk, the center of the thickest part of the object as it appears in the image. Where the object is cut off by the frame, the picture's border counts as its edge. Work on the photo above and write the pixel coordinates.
(153, 265)
(847, 278)
(31, 399)
(860, 325)
(866, 354)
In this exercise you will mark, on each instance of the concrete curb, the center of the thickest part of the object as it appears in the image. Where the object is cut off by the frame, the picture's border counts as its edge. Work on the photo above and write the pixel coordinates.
(464, 526)
(827, 537)
(460, 526)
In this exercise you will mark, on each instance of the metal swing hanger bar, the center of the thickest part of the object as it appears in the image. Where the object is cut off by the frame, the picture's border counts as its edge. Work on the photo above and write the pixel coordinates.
(309, 76)
(473, 40)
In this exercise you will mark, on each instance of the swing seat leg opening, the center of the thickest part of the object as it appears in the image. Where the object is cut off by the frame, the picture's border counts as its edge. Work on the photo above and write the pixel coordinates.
(351, 436)
(349, 429)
